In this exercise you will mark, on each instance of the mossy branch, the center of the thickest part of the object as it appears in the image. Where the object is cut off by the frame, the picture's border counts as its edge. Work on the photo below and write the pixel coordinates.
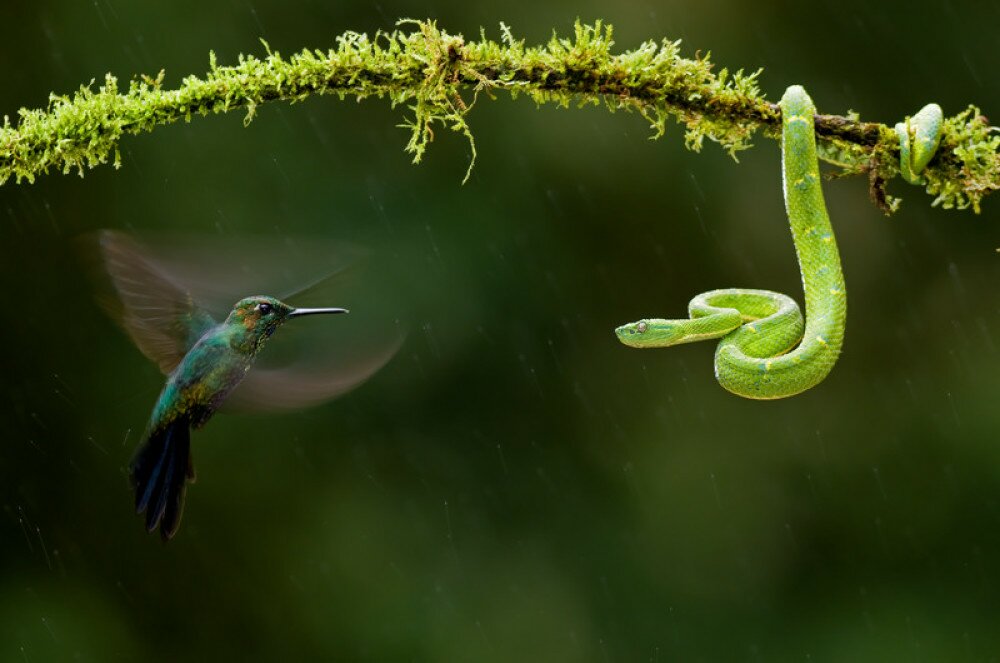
(428, 70)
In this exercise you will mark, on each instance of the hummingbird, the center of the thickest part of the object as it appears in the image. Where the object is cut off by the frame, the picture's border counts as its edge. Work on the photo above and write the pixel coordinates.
(205, 361)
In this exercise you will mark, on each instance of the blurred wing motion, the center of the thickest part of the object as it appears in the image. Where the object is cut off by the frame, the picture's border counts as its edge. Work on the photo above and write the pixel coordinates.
(165, 290)
(158, 313)
(305, 383)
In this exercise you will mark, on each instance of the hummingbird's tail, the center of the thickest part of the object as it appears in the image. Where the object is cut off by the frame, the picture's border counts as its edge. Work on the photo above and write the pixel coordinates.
(160, 470)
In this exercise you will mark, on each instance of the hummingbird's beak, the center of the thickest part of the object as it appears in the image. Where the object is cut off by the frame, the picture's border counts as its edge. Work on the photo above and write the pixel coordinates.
(296, 312)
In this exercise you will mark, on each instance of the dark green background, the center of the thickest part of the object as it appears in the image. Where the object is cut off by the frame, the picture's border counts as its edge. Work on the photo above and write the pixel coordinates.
(514, 485)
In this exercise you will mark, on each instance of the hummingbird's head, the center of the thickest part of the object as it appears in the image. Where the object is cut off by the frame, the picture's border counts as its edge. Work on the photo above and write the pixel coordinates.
(260, 315)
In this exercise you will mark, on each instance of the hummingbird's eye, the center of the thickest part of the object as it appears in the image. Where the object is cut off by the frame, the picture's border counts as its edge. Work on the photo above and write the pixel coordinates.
(263, 308)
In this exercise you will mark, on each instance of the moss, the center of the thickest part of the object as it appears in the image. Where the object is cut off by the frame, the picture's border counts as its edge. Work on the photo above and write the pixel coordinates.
(427, 70)
(968, 162)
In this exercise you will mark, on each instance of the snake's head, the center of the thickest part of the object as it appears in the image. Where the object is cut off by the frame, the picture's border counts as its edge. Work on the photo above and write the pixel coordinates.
(650, 334)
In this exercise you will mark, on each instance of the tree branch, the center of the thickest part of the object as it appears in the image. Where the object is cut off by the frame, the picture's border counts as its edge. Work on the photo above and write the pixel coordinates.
(427, 69)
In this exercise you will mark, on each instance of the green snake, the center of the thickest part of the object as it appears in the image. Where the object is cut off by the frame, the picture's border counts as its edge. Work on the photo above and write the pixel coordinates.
(766, 350)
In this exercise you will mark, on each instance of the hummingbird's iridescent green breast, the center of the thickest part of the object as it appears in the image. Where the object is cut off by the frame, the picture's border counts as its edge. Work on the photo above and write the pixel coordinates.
(218, 361)
(201, 382)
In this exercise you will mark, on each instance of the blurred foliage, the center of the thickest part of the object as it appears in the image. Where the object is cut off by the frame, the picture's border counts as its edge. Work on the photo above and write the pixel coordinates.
(514, 484)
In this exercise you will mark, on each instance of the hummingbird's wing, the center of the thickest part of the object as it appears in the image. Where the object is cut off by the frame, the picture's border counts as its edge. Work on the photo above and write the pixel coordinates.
(157, 312)
(306, 381)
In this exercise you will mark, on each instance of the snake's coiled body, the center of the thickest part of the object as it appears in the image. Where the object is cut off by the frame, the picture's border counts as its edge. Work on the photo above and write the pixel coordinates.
(766, 351)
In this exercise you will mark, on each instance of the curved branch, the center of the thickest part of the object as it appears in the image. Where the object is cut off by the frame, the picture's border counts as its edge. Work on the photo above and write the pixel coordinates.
(427, 69)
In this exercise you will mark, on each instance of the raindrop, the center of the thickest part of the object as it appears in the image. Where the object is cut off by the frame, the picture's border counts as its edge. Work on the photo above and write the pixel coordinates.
(482, 632)
(100, 14)
(697, 187)
(503, 460)
(431, 341)
(321, 133)
(24, 528)
(715, 489)
(48, 628)
(434, 246)
(94, 442)
(956, 281)
(253, 12)
(971, 67)
(954, 409)
(878, 480)
(555, 356)
(281, 171)
(41, 541)
(450, 535)
(986, 334)
(530, 372)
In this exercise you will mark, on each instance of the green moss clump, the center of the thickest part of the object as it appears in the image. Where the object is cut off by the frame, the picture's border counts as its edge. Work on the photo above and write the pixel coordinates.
(968, 162)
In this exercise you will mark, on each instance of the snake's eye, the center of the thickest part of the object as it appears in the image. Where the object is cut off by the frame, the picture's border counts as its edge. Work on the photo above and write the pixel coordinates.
(641, 327)
(264, 308)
